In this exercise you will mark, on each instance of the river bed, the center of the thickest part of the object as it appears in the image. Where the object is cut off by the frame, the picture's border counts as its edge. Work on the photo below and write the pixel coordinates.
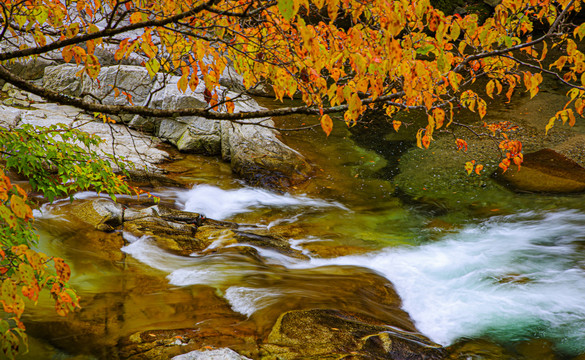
(511, 275)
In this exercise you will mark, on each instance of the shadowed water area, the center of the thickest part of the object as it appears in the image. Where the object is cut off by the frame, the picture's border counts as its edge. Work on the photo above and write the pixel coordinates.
(463, 260)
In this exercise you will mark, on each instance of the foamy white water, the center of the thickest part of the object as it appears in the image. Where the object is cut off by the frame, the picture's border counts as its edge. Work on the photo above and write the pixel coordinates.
(511, 278)
(247, 301)
(219, 204)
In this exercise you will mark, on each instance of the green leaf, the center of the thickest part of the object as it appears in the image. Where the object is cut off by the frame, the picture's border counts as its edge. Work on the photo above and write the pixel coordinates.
(424, 50)
(153, 66)
(286, 8)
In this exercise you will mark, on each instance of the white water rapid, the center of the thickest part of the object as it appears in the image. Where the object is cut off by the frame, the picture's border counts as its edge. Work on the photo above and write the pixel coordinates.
(511, 277)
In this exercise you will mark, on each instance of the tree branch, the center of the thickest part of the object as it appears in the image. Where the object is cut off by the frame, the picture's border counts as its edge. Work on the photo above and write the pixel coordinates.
(165, 113)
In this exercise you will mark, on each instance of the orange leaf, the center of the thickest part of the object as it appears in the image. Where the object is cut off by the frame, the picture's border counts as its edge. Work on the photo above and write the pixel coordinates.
(426, 141)
(478, 168)
(136, 17)
(461, 144)
(396, 124)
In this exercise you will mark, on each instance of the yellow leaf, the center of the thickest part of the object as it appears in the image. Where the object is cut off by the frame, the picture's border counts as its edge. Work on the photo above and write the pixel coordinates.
(153, 66)
(431, 120)
(148, 49)
(454, 81)
(137, 17)
(478, 169)
(564, 116)
(355, 103)
(489, 88)
(560, 63)
(332, 9)
(326, 124)
(426, 141)
(481, 108)
(230, 106)
(439, 115)
(455, 30)
(571, 117)
(498, 86)
(286, 8)
(183, 82)
(551, 123)
(544, 51)
(469, 167)
(450, 114)
(419, 138)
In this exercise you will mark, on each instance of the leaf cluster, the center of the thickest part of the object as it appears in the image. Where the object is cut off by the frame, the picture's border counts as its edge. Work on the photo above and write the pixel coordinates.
(59, 160)
(24, 272)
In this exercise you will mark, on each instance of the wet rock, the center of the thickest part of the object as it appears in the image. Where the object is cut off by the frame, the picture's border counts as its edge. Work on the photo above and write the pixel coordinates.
(185, 233)
(325, 250)
(323, 333)
(167, 344)
(103, 214)
(545, 171)
(478, 349)
(259, 157)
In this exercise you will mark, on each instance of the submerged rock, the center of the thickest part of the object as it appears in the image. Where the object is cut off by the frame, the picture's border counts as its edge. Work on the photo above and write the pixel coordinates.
(545, 171)
(332, 334)
(478, 349)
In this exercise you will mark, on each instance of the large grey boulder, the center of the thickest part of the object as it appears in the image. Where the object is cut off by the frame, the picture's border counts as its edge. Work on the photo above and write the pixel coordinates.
(257, 155)
(255, 152)
(133, 80)
(188, 133)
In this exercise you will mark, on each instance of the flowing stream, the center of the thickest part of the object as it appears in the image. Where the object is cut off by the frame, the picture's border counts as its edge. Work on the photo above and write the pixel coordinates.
(511, 274)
